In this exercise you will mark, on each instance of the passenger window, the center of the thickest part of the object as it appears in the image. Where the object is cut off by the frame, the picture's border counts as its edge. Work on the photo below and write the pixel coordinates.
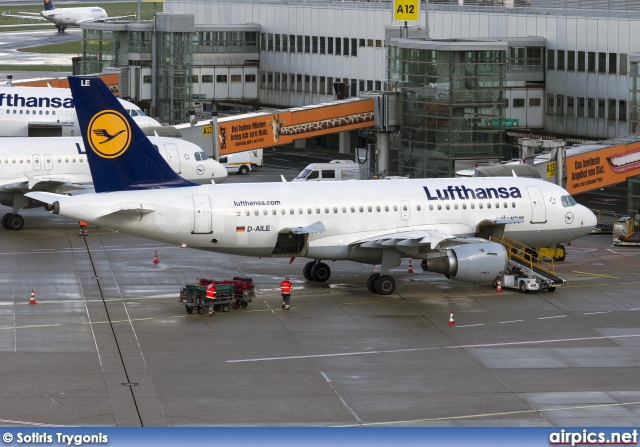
(344, 210)
(473, 206)
(273, 211)
(369, 209)
(335, 210)
(238, 213)
(488, 206)
(247, 213)
(378, 208)
(418, 207)
(447, 206)
(361, 209)
(317, 210)
(480, 205)
(308, 210)
(513, 204)
(256, 212)
(386, 208)
(395, 207)
(439, 207)
(265, 212)
(353, 210)
(299, 210)
(430, 207)
(464, 206)
(282, 211)
(326, 210)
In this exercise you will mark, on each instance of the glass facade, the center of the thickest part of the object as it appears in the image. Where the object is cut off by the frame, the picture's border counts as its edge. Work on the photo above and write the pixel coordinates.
(452, 106)
(99, 50)
(173, 86)
(634, 96)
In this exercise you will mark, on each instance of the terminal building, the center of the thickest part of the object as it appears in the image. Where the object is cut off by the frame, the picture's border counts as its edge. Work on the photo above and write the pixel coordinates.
(488, 73)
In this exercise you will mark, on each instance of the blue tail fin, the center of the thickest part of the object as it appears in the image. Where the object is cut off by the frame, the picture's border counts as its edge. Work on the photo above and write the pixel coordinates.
(120, 156)
(48, 5)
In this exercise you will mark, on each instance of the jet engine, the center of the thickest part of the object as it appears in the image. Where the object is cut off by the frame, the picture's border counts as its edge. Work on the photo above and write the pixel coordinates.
(475, 263)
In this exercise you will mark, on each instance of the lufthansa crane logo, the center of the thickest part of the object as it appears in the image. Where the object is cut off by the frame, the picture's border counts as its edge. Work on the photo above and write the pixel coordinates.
(109, 134)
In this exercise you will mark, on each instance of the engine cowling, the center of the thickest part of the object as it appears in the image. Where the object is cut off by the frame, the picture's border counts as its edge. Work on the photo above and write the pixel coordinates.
(474, 263)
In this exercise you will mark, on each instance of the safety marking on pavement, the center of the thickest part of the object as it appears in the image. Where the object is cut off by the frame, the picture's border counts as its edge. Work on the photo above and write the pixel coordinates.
(511, 321)
(472, 325)
(435, 348)
(555, 316)
(595, 313)
(37, 424)
(360, 302)
(484, 415)
(596, 274)
(75, 324)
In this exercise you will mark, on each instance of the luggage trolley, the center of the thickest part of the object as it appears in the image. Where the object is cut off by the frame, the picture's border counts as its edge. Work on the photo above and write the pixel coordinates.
(195, 297)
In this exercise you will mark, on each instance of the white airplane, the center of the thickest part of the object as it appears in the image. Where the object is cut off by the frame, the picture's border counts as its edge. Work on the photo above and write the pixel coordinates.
(442, 222)
(62, 18)
(60, 165)
(21, 106)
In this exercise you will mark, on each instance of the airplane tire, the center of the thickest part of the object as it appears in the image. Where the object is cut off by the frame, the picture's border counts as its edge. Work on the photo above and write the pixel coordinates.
(306, 270)
(320, 272)
(5, 220)
(15, 222)
(385, 285)
(371, 282)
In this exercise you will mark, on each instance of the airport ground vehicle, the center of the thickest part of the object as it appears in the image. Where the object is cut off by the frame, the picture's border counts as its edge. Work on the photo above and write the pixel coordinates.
(239, 163)
(334, 170)
(626, 231)
(527, 269)
(236, 293)
(242, 162)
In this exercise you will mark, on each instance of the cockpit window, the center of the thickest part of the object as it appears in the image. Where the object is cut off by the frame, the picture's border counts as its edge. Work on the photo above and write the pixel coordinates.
(140, 113)
(204, 156)
(133, 112)
(568, 201)
(197, 154)
(304, 173)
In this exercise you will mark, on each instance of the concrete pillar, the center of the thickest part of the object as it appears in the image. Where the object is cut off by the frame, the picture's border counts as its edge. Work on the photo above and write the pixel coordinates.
(344, 143)
(382, 152)
(300, 144)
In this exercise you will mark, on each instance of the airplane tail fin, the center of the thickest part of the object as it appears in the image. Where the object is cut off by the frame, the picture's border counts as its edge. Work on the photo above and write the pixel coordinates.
(120, 156)
(48, 5)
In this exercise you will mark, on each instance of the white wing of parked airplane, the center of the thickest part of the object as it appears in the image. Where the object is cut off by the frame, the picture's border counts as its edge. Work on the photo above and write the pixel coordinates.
(444, 223)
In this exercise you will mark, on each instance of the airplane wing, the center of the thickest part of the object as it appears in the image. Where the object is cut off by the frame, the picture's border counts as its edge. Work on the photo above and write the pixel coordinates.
(25, 15)
(108, 19)
(316, 227)
(418, 238)
(55, 185)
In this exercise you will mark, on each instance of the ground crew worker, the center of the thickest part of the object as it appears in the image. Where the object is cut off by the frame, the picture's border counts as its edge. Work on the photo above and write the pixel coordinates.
(211, 294)
(83, 229)
(286, 287)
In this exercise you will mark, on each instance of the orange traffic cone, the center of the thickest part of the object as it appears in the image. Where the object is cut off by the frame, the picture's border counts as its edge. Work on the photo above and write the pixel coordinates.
(33, 298)
(410, 269)
(155, 258)
(451, 322)
(499, 288)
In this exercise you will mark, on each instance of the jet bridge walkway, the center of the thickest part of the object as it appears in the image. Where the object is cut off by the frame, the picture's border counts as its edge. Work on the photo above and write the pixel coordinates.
(531, 262)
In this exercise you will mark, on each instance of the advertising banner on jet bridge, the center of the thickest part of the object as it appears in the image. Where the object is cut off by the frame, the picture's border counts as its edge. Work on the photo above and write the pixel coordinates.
(603, 167)
(254, 131)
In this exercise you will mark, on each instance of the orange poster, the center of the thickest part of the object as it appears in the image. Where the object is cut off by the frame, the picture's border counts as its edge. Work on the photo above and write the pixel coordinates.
(603, 167)
(258, 130)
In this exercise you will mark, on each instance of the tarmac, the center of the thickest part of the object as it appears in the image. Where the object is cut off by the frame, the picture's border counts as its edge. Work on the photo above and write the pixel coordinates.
(108, 344)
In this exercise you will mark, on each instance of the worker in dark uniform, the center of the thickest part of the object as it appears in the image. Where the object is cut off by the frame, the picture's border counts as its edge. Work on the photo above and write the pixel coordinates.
(286, 287)
(211, 294)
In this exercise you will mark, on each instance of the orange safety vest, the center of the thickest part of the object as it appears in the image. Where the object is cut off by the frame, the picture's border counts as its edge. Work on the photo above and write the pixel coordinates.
(82, 224)
(211, 291)
(286, 286)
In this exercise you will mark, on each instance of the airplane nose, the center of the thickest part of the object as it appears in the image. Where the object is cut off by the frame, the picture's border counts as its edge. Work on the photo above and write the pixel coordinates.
(220, 174)
(590, 219)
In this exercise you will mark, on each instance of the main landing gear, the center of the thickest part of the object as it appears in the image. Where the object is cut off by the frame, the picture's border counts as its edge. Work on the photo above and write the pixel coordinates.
(320, 272)
(12, 221)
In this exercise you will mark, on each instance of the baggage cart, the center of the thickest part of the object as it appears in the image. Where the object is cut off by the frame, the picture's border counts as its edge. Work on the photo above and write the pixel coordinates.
(195, 297)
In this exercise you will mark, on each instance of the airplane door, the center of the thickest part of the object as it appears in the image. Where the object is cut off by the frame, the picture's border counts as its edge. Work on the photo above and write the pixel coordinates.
(404, 210)
(173, 158)
(538, 209)
(201, 214)
(48, 162)
(36, 162)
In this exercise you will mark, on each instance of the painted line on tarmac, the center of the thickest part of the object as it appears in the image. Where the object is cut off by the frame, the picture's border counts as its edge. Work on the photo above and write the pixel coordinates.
(394, 351)
(485, 415)
(74, 324)
(596, 274)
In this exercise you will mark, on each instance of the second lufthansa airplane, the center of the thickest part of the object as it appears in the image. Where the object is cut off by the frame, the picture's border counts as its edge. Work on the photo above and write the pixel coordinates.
(444, 223)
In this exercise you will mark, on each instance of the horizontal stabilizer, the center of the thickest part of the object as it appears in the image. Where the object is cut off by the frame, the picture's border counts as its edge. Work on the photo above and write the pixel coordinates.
(317, 227)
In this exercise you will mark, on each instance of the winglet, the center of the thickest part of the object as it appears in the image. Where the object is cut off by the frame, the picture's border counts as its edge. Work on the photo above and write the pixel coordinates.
(120, 155)
(283, 179)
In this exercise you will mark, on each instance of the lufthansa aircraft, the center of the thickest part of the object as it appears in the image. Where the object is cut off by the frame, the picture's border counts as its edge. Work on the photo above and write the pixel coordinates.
(21, 106)
(62, 18)
(442, 222)
(59, 164)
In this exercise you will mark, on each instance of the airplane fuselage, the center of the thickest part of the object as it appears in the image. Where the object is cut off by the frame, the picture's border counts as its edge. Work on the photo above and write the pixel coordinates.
(22, 106)
(74, 16)
(247, 219)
